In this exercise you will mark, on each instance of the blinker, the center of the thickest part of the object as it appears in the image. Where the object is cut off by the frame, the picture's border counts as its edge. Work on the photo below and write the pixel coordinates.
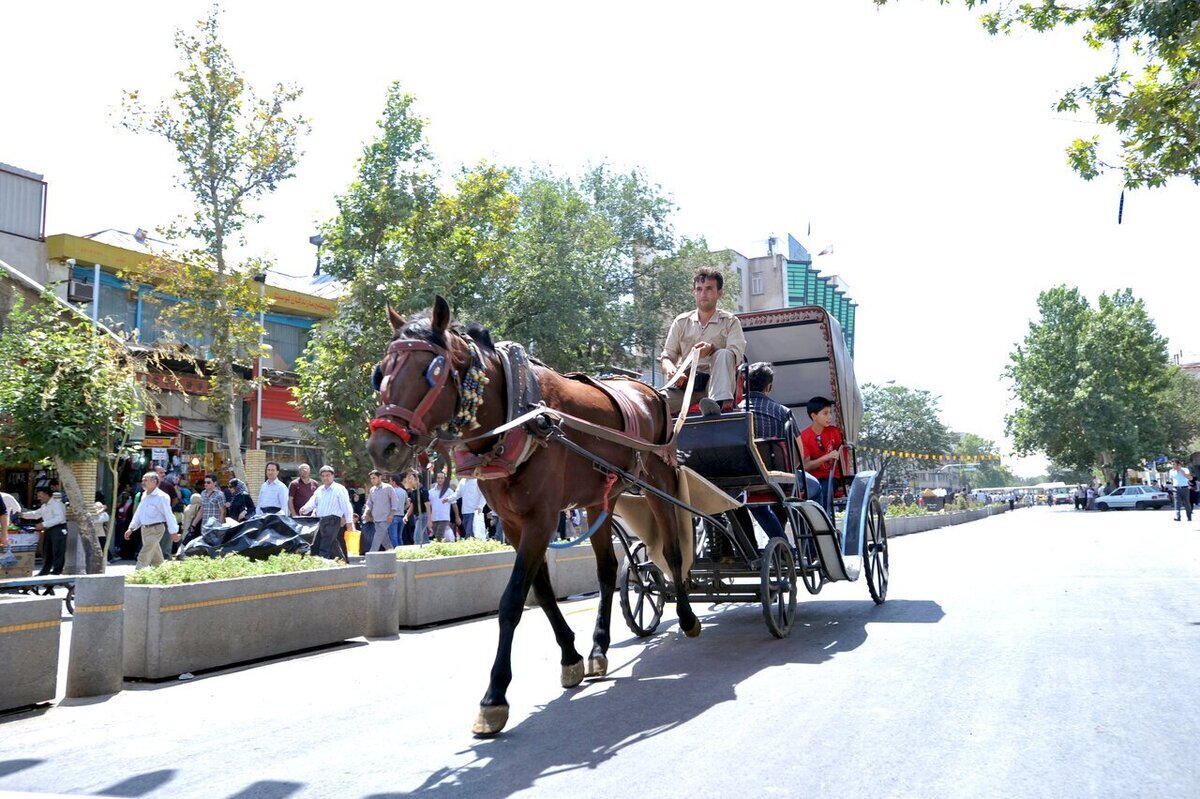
(435, 370)
(377, 378)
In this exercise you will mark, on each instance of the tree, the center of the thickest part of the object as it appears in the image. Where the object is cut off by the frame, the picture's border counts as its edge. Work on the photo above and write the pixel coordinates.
(1150, 95)
(396, 239)
(987, 473)
(1094, 386)
(896, 418)
(233, 147)
(70, 390)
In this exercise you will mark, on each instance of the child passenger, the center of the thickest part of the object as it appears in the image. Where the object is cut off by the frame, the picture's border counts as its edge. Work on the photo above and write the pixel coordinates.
(820, 447)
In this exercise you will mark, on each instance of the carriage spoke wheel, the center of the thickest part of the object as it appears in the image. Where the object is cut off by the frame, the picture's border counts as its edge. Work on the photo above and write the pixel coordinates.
(778, 590)
(643, 592)
(875, 559)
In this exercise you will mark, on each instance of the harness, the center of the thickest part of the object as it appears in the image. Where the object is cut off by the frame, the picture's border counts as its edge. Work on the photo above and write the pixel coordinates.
(516, 443)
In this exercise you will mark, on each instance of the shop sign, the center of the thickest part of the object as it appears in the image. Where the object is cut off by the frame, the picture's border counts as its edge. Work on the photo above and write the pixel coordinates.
(159, 441)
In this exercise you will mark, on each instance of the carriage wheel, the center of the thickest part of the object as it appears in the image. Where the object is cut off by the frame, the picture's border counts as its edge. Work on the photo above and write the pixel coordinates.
(778, 591)
(643, 592)
(875, 559)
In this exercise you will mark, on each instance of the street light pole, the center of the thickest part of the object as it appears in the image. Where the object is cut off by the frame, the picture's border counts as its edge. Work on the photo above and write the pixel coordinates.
(262, 298)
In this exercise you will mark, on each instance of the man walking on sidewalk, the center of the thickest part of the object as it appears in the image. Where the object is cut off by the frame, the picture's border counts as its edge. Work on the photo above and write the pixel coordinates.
(154, 518)
(1182, 479)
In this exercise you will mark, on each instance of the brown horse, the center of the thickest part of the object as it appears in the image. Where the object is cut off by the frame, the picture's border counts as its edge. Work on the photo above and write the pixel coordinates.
(426, 404)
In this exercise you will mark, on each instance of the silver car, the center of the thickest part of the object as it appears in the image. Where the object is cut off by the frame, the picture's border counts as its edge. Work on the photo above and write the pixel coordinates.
(1140, 497)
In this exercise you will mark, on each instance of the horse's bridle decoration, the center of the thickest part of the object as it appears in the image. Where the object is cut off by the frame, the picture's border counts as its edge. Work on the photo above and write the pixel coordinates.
(410, 426)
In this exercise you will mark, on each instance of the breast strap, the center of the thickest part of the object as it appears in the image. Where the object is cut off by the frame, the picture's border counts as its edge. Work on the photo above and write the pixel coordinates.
(515, 444)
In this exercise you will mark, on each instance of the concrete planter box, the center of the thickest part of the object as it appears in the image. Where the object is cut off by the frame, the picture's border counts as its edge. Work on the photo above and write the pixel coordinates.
(29, 630)
(456, 587)
(906, 525)
(172, 629)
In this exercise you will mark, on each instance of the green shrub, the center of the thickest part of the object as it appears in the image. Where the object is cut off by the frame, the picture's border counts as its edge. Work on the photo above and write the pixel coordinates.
(905, 510)
(198, 570)
(442, 549)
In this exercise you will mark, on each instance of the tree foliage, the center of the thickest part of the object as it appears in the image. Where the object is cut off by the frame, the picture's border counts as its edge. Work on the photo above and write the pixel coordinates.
(233, 148)
(985, 474)
(1150, 95)
(896, 418)
(70, 392)
(1094, 386)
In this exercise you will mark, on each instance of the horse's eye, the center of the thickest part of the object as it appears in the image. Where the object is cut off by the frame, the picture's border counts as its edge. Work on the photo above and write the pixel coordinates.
(435, 370)
(377, 378)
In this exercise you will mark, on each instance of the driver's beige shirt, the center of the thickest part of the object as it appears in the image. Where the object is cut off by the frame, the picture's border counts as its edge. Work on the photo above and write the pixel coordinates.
(723, 331)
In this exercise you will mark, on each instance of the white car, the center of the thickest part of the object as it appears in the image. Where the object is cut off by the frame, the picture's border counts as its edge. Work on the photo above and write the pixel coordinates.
(1140, 497)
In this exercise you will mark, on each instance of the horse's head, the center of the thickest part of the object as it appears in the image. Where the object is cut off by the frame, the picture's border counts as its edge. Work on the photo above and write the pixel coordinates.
(430, 385)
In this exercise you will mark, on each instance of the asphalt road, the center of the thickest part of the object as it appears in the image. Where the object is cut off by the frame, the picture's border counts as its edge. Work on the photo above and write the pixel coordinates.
(1046, 652)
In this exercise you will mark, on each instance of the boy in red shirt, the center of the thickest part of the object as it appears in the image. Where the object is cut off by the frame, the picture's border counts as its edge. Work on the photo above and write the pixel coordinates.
(820, 448)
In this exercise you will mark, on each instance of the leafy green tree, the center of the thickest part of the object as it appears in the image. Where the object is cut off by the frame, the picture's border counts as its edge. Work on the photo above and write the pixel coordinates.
(988, 473)
(896, 418)
(1094, 386)
(233, 147)
(70, 390)
(1150, 95)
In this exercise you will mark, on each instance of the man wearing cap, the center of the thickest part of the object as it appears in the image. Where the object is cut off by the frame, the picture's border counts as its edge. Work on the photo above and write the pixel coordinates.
(331, 504)
(716, 337)
(154, 518)
(53, 517)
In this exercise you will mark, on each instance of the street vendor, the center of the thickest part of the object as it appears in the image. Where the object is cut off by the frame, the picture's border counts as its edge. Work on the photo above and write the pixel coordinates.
(716, 336)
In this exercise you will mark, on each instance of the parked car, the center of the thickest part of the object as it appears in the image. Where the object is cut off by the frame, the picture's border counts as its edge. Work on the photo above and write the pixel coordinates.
(1140, 497)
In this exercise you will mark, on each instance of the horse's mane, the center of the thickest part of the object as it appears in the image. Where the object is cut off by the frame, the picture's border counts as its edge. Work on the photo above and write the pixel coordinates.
(421, 328)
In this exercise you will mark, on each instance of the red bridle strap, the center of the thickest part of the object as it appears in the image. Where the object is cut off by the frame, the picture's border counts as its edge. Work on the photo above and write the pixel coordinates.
(414, 420)
(390, 426)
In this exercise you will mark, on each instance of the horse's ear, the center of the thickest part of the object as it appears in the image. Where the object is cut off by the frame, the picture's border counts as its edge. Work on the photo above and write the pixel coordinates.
(396, 319)
(441, 314)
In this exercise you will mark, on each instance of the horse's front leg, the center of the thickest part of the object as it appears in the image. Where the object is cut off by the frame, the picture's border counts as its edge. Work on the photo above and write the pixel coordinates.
(572, 661)
(531, 554)
(606, 573)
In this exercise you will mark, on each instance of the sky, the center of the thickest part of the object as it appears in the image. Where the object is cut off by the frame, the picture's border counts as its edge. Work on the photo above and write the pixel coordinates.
(925, 151)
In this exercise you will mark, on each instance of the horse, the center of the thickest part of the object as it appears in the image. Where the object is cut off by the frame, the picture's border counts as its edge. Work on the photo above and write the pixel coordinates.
(418, 414)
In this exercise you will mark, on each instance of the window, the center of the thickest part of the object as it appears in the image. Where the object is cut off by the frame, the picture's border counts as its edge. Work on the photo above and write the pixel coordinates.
(756, 284)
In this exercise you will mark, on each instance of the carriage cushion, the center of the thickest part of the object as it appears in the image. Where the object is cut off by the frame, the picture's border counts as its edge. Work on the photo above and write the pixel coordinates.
(718, 448)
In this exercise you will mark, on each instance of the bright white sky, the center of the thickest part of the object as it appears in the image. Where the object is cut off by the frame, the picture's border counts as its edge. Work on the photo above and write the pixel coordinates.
(925, 151)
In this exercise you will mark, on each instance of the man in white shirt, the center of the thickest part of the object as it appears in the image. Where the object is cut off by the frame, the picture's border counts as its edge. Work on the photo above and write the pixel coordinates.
(273, 495)
(154, 518)
(472, 501)
(331, 504)
(1181, 478)
(53, 517)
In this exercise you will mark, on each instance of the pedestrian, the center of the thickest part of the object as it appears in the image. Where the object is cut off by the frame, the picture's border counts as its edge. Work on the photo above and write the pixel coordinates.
(383, 506)
(400, 531)
(190, 513)
(472, 501)
(273, 494)
(1181, 478)
(154, 518)
(100, 519)
(440, 510)
(331, 504)
(301, 490)
(418, 509)
(212, 504)
(52, 515)
(241, 507)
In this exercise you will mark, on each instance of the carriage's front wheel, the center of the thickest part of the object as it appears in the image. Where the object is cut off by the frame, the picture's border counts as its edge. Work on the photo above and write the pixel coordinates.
(643, 592)
(778, 589)
(875, 559)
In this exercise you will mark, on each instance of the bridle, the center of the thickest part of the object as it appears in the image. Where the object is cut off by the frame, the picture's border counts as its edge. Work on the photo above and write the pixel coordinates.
(410, 426)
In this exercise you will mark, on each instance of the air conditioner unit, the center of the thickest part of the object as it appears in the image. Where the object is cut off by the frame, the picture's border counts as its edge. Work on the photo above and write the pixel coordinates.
(79, 290)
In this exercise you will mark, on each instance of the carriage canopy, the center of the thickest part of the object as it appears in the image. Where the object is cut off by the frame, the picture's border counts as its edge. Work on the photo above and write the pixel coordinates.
(810, 358)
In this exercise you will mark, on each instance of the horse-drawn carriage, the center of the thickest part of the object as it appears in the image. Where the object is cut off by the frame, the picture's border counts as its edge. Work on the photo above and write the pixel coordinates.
(822, 544)
(675, 492)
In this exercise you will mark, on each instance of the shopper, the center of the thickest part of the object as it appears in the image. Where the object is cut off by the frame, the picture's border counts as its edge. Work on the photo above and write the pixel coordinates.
(154, 518)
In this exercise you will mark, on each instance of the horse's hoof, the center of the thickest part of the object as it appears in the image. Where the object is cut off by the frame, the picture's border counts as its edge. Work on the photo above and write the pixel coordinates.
(490, 721)
(597, 666)
(572, 675)
(693, 631)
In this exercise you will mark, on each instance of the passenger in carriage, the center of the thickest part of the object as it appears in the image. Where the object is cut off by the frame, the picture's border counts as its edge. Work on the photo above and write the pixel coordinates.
(717, 337)
(820, 448)
(770, 423)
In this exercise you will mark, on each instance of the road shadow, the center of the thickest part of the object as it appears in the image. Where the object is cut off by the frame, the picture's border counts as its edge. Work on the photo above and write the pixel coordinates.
(140, 784)
(663, 687)
(13, 766)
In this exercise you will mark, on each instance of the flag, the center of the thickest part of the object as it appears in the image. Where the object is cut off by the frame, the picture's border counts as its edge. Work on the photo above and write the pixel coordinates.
(827, 251)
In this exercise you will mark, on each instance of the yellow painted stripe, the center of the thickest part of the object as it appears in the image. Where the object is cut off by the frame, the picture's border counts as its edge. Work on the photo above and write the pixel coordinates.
(233, 600)
(33, 625)
(577, 557)
(387, 576)
(99, 608)
(471, 570)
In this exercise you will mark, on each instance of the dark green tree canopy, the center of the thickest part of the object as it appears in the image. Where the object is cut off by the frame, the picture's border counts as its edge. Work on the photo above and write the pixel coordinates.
(900, 418)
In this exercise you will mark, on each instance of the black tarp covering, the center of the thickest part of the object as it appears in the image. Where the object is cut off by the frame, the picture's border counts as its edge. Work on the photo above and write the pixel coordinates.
(256, 538)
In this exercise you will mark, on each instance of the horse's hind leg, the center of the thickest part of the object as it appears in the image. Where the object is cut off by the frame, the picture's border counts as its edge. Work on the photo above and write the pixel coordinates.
(606, 572)
(572, 661)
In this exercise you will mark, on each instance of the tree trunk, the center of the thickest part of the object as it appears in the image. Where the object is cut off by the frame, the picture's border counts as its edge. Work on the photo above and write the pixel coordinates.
(80, 511)
(233, 431)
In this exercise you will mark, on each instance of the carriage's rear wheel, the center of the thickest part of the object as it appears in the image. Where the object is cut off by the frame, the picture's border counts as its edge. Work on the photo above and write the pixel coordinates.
(778, 589)
(875, 559)
(643, 592)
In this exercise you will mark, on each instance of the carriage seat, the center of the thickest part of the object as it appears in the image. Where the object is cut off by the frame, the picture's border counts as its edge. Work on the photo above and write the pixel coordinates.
(724, 451)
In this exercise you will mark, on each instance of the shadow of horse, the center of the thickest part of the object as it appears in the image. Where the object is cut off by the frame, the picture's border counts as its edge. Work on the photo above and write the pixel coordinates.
(662, 687)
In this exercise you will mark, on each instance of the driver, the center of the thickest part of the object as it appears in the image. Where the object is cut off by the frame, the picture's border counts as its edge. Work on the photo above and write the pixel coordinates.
(717, 337)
